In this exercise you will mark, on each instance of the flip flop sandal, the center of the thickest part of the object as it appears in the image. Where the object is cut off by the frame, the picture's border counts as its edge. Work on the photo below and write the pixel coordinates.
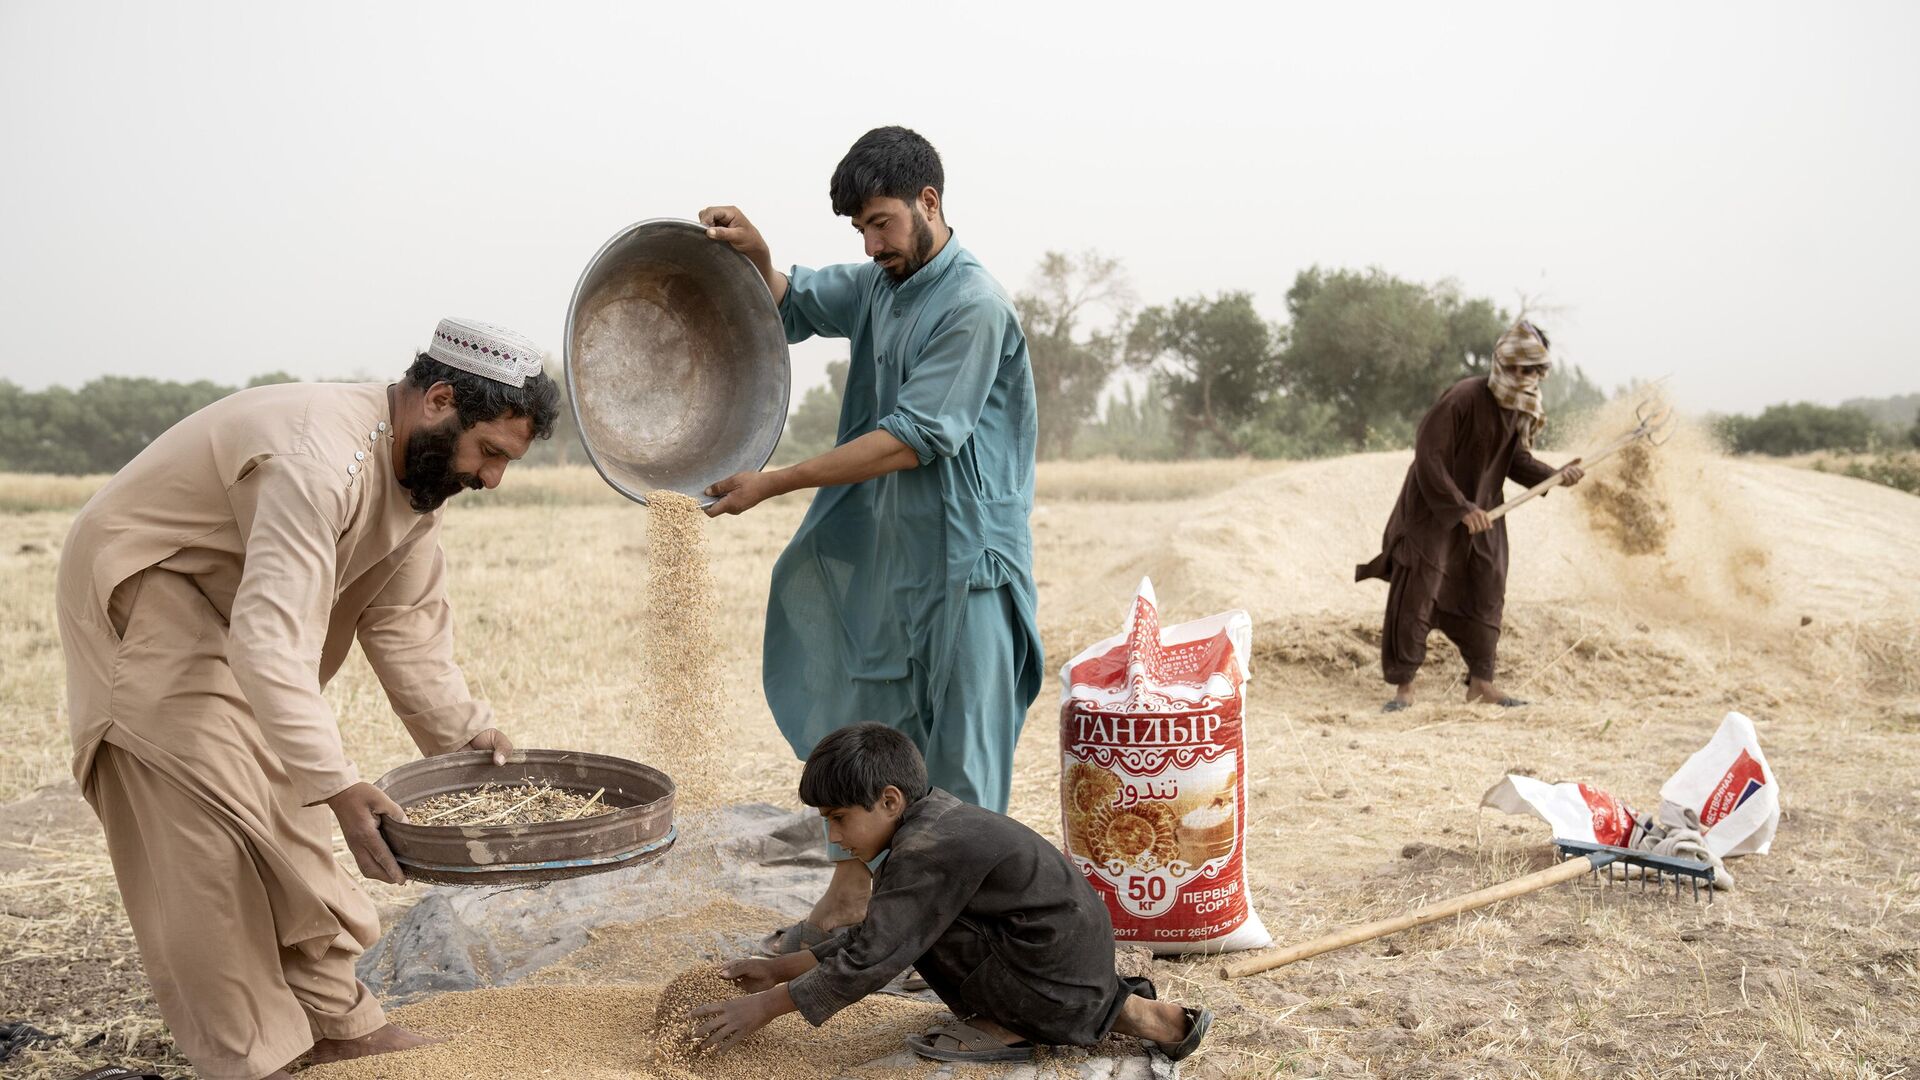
(914, 983)
(1198, 1021)
(1395, 705)
(792, 939)
(118, 1072)
(1513, 702)
(974, 1045)
(18, 1035)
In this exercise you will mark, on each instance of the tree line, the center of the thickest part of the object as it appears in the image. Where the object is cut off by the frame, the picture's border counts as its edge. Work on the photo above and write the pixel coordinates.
(1803, 427)
(1359, 357)
(101, 425)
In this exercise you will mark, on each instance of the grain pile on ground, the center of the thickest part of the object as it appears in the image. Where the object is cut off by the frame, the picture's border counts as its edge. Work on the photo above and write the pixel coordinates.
(525, 803)
(676, 1047)
(604, 1033)
(683, 681)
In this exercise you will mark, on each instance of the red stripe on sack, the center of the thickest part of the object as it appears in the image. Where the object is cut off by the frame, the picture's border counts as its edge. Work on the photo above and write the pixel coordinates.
(1612, 819)
(1743, 778)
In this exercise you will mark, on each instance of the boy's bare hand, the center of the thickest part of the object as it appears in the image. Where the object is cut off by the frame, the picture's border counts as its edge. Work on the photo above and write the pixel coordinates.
(752, 975)
(721, 1025)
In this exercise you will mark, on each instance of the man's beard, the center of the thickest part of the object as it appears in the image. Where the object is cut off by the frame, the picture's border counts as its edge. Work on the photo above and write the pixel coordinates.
(430, 479)
(911, 262)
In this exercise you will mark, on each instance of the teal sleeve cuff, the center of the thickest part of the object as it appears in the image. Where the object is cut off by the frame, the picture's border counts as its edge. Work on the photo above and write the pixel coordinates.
(897, 425)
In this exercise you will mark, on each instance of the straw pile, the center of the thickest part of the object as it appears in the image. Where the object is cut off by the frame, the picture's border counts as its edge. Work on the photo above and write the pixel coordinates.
(680, 713)
(525, 803)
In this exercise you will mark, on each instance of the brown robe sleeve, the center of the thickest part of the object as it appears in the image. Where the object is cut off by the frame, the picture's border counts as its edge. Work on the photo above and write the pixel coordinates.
(1434, 446)
(1529, 470)
(407, 634)
(292, 511)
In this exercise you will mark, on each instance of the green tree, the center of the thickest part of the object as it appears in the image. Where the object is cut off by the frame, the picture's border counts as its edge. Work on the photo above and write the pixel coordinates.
(1896, 413)
(1567, 391)
(100, 426)
(1799, 428)
(1913, 434)
(1134, 427)
(1072, 365)
(1569, 397)
(1217, 361)
(1474, 327)
(1289, 426)
(814, 424)
(1379, 349)
(123, 415)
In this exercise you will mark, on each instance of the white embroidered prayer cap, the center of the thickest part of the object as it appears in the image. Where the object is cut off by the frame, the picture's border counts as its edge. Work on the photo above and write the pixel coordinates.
(485, 349)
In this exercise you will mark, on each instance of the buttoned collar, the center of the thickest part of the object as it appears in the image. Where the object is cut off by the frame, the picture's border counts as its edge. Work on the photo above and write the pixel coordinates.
(371, 458)
(924, 278)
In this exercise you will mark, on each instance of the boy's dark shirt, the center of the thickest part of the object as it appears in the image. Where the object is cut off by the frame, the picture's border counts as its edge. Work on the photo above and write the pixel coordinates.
(1466, 448)
(982, 890)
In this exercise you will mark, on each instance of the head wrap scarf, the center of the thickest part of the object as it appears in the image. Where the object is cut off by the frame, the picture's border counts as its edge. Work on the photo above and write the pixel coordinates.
(1517, 390)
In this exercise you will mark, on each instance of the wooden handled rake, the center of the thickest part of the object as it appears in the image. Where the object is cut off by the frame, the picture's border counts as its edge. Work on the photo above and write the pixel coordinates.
(1656, 423)
(1582, 857)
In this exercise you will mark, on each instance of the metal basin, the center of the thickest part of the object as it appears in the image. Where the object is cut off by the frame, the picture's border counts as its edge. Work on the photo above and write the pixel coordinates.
(676, 361)
(640, 830)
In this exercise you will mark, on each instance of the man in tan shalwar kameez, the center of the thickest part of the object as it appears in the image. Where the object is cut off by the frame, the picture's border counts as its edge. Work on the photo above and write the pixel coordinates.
(206, 595)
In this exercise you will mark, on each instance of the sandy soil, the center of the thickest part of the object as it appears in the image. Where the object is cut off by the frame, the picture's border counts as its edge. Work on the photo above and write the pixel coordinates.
(1786, 594)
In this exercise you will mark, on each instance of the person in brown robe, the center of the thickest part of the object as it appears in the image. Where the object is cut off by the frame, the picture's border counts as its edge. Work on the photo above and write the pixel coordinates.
(1444, 560)
(206, 595)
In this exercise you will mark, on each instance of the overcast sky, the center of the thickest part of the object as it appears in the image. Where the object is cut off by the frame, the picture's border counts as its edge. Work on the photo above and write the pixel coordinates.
(1724, 192)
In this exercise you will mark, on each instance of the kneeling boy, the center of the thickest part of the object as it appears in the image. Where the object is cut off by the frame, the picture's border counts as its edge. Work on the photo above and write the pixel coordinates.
(998, 922)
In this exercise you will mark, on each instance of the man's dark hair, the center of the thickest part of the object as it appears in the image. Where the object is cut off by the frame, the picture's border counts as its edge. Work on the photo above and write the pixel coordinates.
(887, 162)
(477, 398)
(852, 766)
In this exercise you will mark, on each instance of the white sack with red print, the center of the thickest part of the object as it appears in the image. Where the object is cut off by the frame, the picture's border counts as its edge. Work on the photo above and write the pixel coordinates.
(1153, 782)
(1728, 784)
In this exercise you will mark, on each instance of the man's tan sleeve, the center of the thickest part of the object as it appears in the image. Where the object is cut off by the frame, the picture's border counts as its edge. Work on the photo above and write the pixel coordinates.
(292, 511)
(407, 633)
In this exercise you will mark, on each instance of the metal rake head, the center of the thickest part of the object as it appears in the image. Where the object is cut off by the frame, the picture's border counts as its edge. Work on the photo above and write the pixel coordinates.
(1618, 864)
(1657, 420)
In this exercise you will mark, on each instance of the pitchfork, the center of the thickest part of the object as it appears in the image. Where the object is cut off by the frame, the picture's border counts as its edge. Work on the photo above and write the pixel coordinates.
(1656, 423)
(1582, 857)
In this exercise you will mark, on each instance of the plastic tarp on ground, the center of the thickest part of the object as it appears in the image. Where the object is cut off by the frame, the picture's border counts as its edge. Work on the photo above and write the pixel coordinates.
(755, 855)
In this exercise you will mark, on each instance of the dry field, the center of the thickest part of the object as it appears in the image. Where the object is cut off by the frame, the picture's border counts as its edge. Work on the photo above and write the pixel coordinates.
(1787, 594)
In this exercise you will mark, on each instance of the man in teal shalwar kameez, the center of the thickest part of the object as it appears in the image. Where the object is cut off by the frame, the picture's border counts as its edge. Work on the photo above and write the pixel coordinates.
(907, 596)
